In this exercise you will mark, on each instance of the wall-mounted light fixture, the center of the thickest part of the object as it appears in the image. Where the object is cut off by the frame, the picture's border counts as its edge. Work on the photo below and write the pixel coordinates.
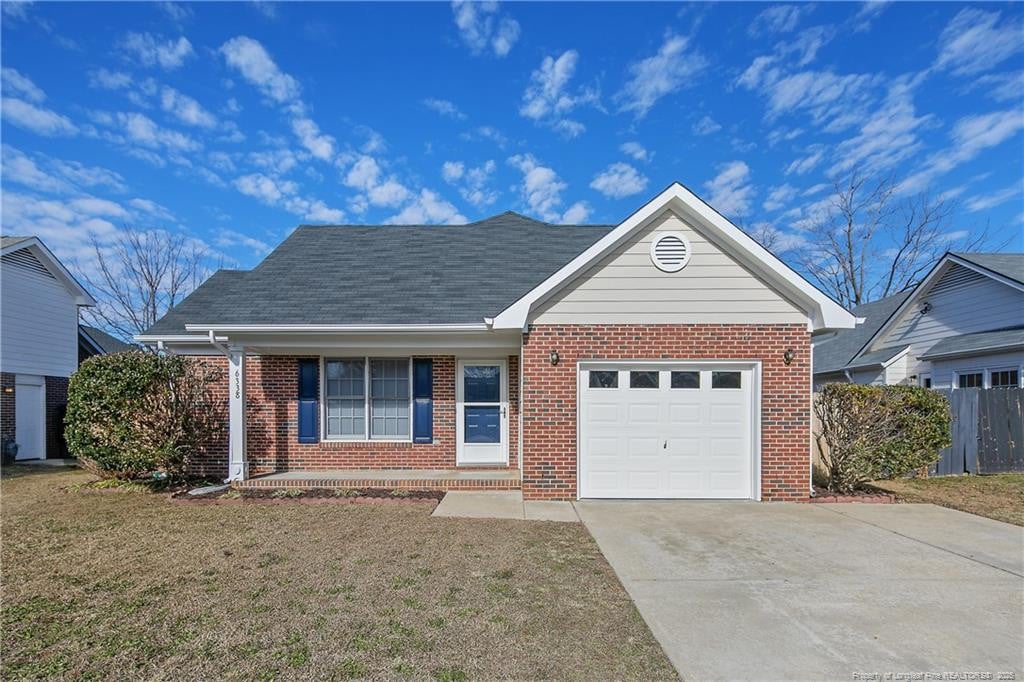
(554, 357)
(926, 308)
(788, 356)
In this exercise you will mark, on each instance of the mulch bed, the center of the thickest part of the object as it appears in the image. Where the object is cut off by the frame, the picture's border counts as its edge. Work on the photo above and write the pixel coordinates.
(272, 496)
(824, 496)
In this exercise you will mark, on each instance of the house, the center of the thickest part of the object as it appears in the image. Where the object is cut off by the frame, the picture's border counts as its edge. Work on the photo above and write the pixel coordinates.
(668, 356)
(38, 345)
(962, 326)
(94, 341)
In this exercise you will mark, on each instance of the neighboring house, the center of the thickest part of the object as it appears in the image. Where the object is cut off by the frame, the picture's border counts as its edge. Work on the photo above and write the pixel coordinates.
(93, 341)
(962, 326)
(39, 302)
(667, 356)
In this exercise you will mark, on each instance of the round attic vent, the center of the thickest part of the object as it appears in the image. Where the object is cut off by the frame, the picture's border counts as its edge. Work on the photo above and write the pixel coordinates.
(670, 252)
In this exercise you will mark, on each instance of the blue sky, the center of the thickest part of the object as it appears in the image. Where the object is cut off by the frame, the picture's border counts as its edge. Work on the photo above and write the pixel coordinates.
(236, 122)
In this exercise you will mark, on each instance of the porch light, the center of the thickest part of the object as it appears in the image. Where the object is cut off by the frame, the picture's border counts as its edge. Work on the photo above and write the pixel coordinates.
(554, 357)
(788, 356)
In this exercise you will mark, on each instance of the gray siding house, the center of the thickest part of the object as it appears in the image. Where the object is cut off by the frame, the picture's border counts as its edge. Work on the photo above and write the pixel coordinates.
(961, 327)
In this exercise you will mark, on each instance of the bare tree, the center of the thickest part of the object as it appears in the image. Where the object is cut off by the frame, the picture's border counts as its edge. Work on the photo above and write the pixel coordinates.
(869, 241)
(141, 276)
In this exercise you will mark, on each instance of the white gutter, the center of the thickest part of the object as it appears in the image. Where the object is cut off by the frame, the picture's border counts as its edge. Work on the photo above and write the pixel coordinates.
(341, 328)
(174, 338)
(219, 346)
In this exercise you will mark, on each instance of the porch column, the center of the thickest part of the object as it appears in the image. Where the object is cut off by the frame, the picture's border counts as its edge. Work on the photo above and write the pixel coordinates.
(238, 463)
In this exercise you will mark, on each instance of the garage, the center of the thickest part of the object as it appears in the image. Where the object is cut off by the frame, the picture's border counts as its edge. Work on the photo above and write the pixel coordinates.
(678, 430)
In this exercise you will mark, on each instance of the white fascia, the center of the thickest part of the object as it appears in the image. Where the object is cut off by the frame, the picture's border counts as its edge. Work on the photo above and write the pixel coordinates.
(337, 328)
(823, 312)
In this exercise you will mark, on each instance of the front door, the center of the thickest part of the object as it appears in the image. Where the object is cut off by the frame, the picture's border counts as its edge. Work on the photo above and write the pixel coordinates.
(482, 407)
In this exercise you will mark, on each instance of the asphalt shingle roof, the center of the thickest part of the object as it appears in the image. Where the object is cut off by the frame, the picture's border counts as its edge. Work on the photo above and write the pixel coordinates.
(977, 342)
(388, 274)
(105, 341)
(1006, 264)
(837, 353)
(6, 240)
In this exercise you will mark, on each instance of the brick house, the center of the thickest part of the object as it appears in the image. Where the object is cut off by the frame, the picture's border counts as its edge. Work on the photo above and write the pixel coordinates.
(668, 356)
(39, 345)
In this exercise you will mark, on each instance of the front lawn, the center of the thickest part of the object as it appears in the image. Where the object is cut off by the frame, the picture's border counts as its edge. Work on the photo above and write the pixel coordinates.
(128, 584)
(999, 496)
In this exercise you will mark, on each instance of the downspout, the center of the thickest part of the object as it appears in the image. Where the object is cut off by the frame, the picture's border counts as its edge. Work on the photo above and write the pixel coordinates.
(218, 345)
(810, 463)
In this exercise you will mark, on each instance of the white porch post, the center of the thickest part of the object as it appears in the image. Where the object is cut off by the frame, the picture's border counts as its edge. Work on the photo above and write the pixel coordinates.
(238, 464)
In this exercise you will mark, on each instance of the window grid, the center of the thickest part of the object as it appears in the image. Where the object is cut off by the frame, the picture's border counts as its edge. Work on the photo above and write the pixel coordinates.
(368, 398)
(970, 380)
(1004, 378)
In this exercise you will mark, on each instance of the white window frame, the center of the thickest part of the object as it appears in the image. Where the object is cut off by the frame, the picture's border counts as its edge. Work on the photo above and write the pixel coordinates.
(1006, 368)
(367, 437)
(921, 378)
(973, 370)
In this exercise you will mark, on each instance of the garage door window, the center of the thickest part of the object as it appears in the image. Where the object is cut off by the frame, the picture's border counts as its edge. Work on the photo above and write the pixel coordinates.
(604, 379)
(725, 380)
(685, 379)
(643, 379)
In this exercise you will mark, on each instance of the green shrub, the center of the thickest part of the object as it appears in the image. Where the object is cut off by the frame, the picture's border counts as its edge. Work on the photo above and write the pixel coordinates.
(130, 414)
(878, 432)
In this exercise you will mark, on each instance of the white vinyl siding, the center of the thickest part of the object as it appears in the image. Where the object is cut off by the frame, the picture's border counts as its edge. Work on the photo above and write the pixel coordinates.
(961, 302)
(38, 320)
(626, 287)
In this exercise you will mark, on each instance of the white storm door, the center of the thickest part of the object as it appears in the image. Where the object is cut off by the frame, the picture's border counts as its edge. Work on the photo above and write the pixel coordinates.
(482, 412)
(30, 417)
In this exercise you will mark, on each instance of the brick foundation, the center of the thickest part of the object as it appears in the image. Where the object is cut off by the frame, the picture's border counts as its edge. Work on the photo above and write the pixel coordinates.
(272, 425)
(6, 405)
(549, 399)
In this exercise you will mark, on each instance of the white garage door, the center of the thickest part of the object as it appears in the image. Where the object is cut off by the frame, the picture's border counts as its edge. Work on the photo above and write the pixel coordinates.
(666, 431)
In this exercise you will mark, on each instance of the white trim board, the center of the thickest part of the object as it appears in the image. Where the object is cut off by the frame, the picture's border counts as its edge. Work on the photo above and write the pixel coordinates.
(38, 249)
(823, 312)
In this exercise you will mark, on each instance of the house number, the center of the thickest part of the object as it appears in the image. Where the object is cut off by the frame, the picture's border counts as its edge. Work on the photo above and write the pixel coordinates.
(238, 384)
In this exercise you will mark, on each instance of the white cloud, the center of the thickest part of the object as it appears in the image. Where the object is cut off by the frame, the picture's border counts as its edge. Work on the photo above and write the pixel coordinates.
(153, 50)
(230, 238)
(142, 130)
(452, 170)
(177, 12)
(364, 174)
(43, 173)
(428, 208)
(576, 214)
(39, 120)
(636, 151)
(730, 192)
(806, 44)
(318, 144)
(775, 240)
(779, 197)
(444, 107)
(671, 69)
(472, 183)
(262, 187)
(489, 133)
(254, 63)
(14, 83)
(542, 189)
(1002, 87)
(483, 27)
(547, 98)
(619, 180)
(866, 15)
(186, 109)
(151, 208)
(975, 41)
(285, 194)
(815, 154)
(109, 80)
(706, 126)
(987, 201)
(777, 19)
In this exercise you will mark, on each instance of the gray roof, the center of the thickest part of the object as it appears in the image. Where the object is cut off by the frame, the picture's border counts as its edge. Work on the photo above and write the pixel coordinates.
(388, 274)
(1006, 264)
(837, 353)
(978, 342)
(107, 343)
(6, 240)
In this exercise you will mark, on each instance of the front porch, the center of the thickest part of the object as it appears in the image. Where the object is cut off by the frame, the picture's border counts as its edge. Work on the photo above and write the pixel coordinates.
(408, 479)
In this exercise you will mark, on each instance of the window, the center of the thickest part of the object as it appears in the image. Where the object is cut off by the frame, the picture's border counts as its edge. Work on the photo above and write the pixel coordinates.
(643, 379)
(1004, 378)
(685, 379)
(345, 394)
(969, 380)
(604, 379)
(725, 380)
(357, 399)
(925, 381)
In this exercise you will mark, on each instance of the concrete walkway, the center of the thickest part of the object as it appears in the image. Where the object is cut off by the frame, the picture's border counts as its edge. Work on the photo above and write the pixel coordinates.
(503, 505)
(743, 590)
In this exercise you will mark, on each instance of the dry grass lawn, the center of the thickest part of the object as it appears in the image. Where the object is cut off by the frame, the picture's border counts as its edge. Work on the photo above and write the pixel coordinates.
(120, 585)
(999, 496)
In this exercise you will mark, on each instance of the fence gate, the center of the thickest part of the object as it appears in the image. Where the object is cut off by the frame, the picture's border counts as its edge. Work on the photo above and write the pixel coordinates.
(987, 432)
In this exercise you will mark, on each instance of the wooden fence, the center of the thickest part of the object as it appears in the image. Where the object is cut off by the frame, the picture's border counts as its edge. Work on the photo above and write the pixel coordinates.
(988, 432)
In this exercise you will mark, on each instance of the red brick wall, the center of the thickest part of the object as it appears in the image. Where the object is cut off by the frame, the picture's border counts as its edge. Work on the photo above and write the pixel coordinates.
(272, 426)
(56, 407)
(549, 394)
(6, 405)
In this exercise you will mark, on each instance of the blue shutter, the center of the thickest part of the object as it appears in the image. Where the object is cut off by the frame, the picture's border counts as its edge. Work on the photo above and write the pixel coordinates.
(309, 409)
(422, 400)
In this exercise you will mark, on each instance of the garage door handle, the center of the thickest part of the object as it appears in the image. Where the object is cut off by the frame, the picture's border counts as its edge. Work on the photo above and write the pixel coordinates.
(665, 446)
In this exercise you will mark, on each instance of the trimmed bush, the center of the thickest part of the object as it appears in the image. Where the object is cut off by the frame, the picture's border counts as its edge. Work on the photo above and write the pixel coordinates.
(878, 432)
(131, 414)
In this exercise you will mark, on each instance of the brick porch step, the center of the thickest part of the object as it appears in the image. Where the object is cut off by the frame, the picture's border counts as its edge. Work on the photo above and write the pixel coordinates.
(418, 479)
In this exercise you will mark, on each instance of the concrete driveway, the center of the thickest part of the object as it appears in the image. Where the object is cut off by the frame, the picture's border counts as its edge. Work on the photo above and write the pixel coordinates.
(742, 590)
